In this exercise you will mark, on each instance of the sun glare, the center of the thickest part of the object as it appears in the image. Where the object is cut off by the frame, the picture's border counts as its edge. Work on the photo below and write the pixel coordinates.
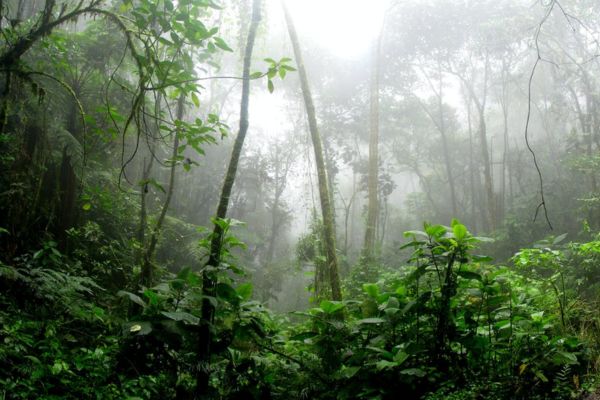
(345, 27)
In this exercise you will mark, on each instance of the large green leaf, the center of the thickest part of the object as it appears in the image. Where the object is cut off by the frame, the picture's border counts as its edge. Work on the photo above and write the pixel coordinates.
(330, 307)
(182, 316)
(460, 231)
(245, 291)
(371, 289)
(133, 297)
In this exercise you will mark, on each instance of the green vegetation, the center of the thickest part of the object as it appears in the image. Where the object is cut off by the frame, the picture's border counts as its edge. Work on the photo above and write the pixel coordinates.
(447, 325)
(119, 281)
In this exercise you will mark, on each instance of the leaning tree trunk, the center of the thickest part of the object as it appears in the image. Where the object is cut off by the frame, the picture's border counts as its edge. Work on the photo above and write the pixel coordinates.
(326, 200)
(214, 260)
(147, 272)
(146, 169)
(373, 179)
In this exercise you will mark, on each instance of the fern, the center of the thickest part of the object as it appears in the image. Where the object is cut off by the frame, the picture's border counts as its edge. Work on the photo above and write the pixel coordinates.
(63, 141)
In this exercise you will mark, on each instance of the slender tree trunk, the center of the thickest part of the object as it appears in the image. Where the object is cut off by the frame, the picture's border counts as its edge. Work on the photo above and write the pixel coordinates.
(208, 278)
(147, 272)
(474, 197)
(141, 232)
(326, 200)
(373, 179)
(504, 104)
(275, 224)
(347, 210)
(146, 169)
(440, 124)
(487, 170)
(384, 221)
(443, 133)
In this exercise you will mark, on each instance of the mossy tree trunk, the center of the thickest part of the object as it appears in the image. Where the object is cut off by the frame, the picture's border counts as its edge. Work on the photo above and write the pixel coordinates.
(327, 209)
(373, 179)
(214, 260)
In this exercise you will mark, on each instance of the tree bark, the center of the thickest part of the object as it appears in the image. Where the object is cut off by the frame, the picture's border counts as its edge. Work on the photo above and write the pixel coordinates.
(214, 260)
(147, 272)
(440, 124)
(480, 105)
(327, 209)
(373, 179)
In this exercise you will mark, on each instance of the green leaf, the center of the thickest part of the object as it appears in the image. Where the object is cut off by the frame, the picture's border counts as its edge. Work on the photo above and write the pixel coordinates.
(384, 364)
(256, 75)
(413, 372)
(301, 337)
(182, 316)
(270, 86)
(227, 292)
(478, 258)
(401, 291)
(195, 99)
(152, 297)
(414, 243)
(371, 289)
(349, 372)
(86, 207)
(282, 73)
(221, 44)
(330, 307)
(541, 376)
(133, 297)
(245, 291)
(137, 328)
(400, 357)
(414, 234)
(559, 238)
(435, 231)
(152, 182)
(370, 321)
(460, 231)
(469, 275)
(563, 357)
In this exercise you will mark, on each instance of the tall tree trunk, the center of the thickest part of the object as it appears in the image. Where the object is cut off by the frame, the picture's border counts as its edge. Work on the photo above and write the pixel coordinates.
(487, 170)
(147, 272)
(146, 169)
(443, 133)
(214, 260)
(275, 224)
(326, 201)
(474, 197)
(440, 124)
(480, 104)
(373, 180)
(505, 105)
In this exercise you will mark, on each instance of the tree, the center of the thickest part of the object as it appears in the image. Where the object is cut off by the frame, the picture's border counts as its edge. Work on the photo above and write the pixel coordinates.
(373, 178)
(327, 208)
(216, 242)
(147, 273)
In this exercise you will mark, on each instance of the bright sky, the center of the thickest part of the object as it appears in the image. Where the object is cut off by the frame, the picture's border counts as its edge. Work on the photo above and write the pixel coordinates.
(346, 27)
